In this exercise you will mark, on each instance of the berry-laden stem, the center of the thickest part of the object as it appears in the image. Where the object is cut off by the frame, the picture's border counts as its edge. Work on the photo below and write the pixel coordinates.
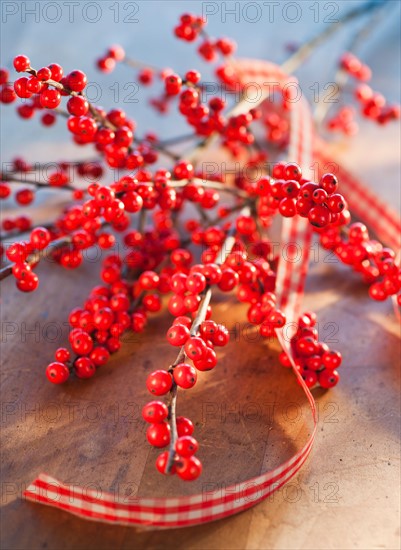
(39, 255)
(225, 250)
(289, 66)
(200, 317)
(341, 77)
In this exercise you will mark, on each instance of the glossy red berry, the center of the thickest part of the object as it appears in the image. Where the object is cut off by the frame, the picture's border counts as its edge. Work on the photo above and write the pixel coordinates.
(81, 342)
(103, 318)
(77, 106)
(336, 203)
(77, 81)
(149, 280)
(177, 335)
(186, 446)
(155, 412)
(195, 283)
(310, 377)
(56, 71)
(21, 63)
(57, 373)
(319, 216)
(195, 348)
(84, 367)
(29, 283)
(159, 382)
(184, 426)
(185, 375)
(328, 378)
(158, 435)
(331, 359)
(50, 98)
(329, 183)
(99, 356)
(189, 469)
(62, 355)
(40, 238)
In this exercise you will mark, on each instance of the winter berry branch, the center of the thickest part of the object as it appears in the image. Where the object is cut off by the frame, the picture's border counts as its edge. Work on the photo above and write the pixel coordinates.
(178, 239)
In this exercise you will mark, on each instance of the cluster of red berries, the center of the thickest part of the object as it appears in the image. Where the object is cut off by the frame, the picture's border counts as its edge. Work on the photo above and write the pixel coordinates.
(97, 327)
(46, 86)
(350, 63)
(372, 104)
(192, 27)
(157, 260)
(20, 224)
(184, 464)
(314, 360)
(18, 253)
(114, 54)
(277, 128)
(291, 194)
(366, 256)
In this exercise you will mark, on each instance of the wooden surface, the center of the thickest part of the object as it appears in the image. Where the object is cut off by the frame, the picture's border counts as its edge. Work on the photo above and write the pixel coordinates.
(250, 415)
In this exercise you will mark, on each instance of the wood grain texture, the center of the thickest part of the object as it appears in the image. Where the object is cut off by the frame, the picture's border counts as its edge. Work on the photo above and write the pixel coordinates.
(250, 415)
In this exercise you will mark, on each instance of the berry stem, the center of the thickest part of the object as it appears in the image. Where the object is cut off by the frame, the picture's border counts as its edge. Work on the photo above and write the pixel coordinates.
(225, 250)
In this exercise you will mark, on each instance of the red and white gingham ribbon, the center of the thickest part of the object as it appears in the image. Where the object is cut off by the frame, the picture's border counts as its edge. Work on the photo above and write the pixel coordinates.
(202, 508)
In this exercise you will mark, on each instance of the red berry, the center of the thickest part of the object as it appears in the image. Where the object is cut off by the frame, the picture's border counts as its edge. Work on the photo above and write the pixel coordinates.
(184, 426)
(159, 382)
(62, 355)
(186, 446)
(328, 378)
(77, 81)
(306, 346)
(185, 375)
(207, 362)
(81, 342)
(158, 435)
(331, 359)
(40, 238)
(103, 318)
(319, 216)
(99, 356)
(229, 280)
(29, 283)
(173, 84)
(77, 106)
(329, 183)
(56, 71)
(161, 463)
(44, 74)
(21, 87)
(189, 469)
(195, 283)
(57, 373)
(310, 377)
(50, 98)
(336, 203)
(177, 335)
(149, 280)
(155, 412)
(84, 367)
(24, 196)
(195, 348)
(21, 63)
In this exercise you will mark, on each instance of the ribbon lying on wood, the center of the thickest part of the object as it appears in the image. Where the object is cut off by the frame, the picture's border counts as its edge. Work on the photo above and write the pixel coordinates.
(202, 508)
